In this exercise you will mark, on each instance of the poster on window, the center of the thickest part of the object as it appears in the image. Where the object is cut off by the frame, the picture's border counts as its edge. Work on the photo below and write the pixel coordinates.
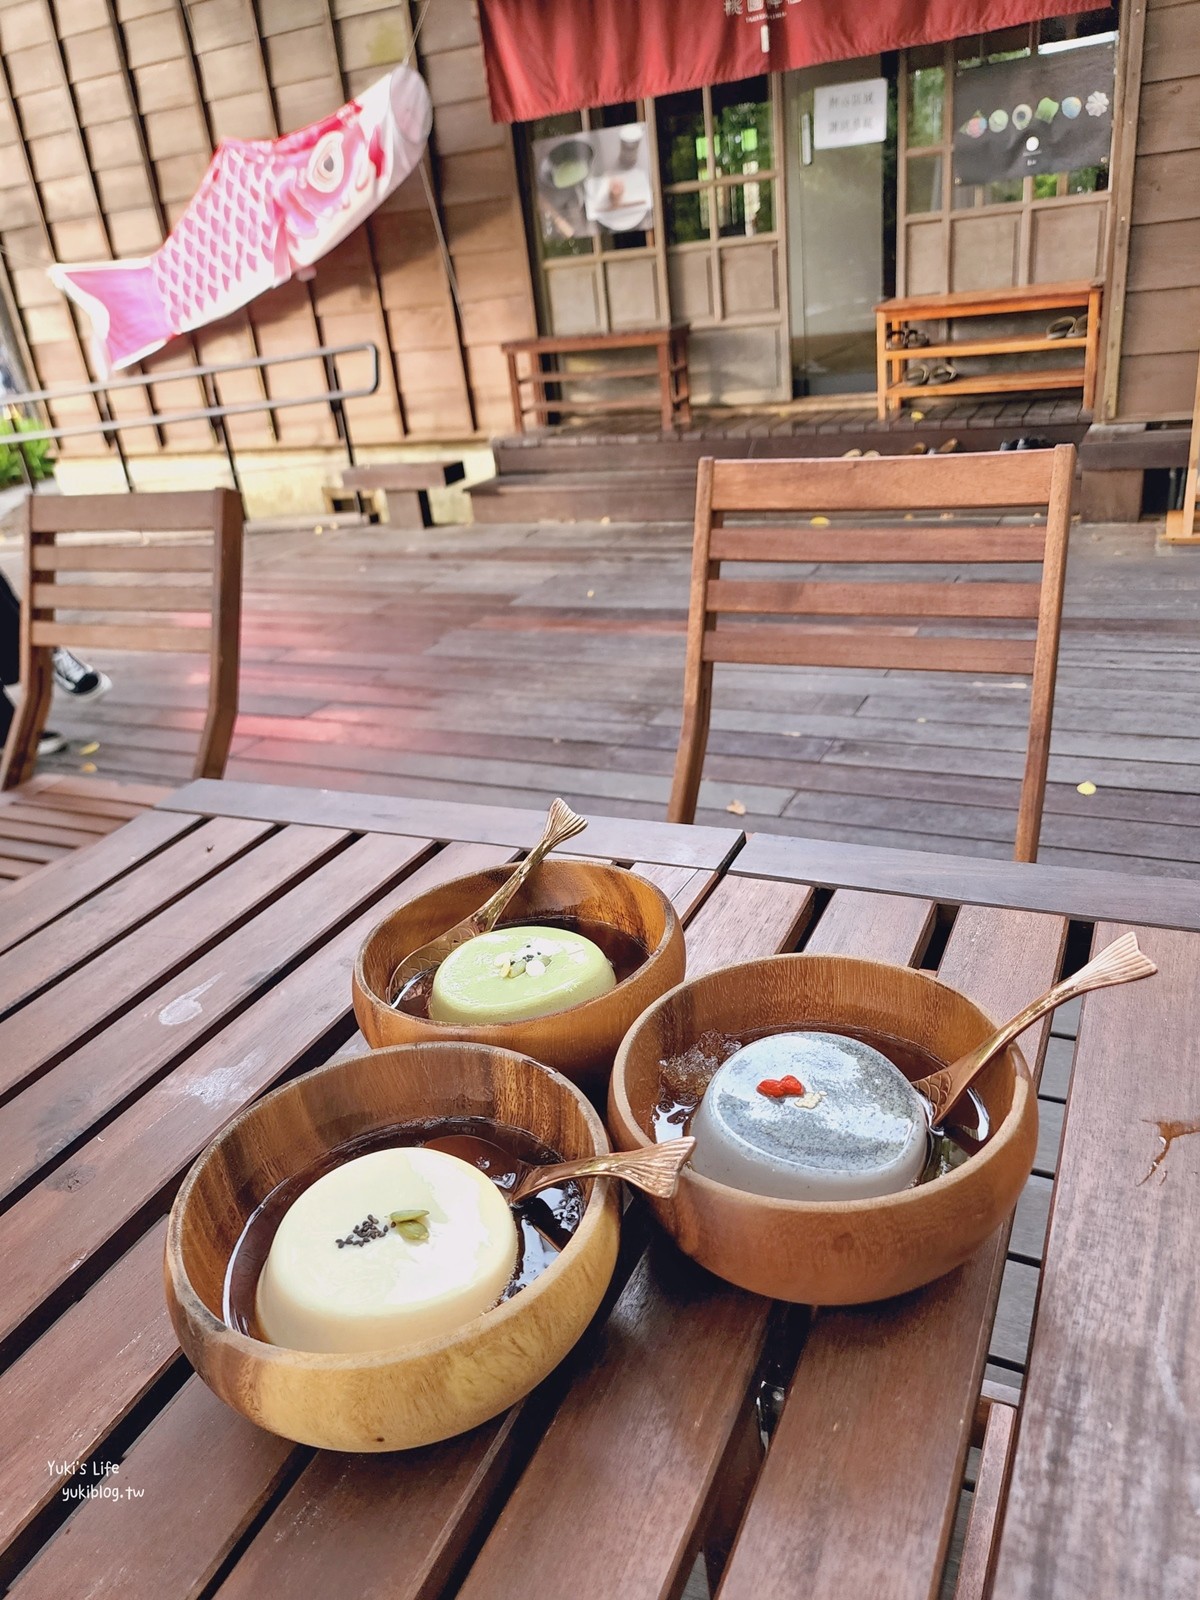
(1043, 113)
(850, 113)
(592, 181)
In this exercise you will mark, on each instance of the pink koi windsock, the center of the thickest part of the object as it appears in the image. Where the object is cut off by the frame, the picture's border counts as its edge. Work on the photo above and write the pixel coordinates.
(266, 210)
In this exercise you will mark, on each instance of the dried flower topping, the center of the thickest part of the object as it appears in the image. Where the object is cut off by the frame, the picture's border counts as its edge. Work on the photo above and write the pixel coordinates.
(530, 958)
(780, 1088)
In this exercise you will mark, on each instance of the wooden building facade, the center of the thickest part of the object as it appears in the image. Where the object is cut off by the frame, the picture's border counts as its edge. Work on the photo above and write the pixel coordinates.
(109, 110)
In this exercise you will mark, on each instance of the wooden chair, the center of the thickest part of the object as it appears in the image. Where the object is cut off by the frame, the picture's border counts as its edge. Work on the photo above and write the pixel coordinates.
(737, 618)
(102, 594)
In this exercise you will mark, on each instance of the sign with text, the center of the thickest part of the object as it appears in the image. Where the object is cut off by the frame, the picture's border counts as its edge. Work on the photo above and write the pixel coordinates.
(850, 113)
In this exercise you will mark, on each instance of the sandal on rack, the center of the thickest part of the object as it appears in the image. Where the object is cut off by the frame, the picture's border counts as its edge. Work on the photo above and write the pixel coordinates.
(907, 339)
(1068, 328)
(942, 372)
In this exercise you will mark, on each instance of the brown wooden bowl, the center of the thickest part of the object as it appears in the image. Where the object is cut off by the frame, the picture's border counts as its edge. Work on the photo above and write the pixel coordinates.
(837, 1252)
(579, 1042)
(385, 1400)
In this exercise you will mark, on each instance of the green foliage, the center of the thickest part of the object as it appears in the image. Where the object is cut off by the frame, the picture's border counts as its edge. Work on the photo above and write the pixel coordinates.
(37, 453)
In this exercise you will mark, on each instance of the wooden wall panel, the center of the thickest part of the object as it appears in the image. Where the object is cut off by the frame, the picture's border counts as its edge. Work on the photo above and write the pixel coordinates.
(1160, 332)
(114, 111)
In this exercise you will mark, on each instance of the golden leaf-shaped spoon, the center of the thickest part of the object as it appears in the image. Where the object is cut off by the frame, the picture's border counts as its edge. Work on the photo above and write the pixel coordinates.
(1119, 962)
(655, 1170)
(561, 824)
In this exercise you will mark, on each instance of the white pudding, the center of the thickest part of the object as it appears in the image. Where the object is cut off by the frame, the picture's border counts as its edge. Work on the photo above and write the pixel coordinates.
(859, 1130)
(342, 1276)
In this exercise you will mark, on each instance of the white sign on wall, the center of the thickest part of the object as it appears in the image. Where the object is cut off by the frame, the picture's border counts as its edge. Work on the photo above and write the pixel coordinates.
(850, 113)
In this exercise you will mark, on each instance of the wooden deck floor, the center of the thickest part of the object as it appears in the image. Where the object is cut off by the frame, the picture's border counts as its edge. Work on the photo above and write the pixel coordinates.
(512, 663)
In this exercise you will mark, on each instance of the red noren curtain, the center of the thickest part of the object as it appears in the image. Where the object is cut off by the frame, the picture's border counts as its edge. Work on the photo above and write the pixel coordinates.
(545, 56)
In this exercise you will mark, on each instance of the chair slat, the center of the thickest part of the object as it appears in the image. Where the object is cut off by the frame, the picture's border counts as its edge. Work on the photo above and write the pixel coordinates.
(122, 636)
(867, 647)
(123, 557)
(109, 597)
(186, 511)
(888, 484)
(924, 544)
(875, 599)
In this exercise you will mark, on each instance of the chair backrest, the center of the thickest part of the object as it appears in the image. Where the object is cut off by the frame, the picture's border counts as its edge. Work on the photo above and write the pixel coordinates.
(96, 592)
(902, 625)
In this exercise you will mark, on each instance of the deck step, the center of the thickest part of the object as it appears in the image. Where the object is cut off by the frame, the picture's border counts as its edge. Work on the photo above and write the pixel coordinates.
(666, 495)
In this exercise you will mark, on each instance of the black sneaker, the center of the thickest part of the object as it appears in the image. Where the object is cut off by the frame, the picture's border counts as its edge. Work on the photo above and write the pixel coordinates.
(51, 744)
(76, 678)
(1027, 442)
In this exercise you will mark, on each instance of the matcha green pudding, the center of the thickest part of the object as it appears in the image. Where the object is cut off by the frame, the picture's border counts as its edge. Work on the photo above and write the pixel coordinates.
(513, 974)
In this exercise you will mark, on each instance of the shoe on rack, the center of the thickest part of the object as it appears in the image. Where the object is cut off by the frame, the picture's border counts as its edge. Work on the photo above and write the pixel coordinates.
(76, 678)
(51, 744)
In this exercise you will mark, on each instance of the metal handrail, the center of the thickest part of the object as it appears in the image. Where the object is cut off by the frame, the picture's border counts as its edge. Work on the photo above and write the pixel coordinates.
(334, 395)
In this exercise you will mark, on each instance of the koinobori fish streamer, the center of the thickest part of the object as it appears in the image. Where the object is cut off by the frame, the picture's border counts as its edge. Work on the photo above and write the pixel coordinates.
(266, 211)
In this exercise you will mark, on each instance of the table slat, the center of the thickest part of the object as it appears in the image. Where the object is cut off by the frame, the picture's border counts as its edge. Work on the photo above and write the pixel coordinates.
(878, 1502)
(105, 987)
(70, 881)
(1105, 1496)
(122, 905)
(617, 838)
(1062, 891)
(63, 1104)
(106, 1543)
(58, 1407)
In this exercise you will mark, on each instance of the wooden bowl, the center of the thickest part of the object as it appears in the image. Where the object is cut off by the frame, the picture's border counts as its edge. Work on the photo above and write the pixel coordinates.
(385, 1400)
(837, 1252)
(579, 1042)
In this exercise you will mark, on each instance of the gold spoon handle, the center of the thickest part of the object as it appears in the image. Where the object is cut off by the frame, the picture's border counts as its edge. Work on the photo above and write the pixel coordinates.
(656, 1170)
(561, 824)
(1119, 962)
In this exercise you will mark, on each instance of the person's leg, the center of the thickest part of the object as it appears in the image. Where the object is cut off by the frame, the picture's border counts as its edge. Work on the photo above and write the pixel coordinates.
(10, 633)
(49, 743)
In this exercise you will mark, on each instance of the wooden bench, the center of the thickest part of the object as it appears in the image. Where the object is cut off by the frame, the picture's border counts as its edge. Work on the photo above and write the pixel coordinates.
(894, 316)
(668, 346)
(406, 486)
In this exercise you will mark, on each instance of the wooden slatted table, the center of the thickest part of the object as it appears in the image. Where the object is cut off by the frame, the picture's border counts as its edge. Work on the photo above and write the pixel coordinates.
(154, 983)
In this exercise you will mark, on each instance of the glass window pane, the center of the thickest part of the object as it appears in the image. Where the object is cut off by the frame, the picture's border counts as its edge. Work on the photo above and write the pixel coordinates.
(741, 115)
(629, 239)
(683, 149)
(549, 127)
(745, 209)
(924, 184)
(687, 216)
(926, 96)
(1045, 185)
(554, 245)
(1058, 30)
(1088, 180)
(1010, 190)
(615, 116)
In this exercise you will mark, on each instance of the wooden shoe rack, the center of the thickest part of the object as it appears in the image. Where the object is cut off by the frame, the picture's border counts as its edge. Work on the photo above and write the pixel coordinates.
(1055, 299)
